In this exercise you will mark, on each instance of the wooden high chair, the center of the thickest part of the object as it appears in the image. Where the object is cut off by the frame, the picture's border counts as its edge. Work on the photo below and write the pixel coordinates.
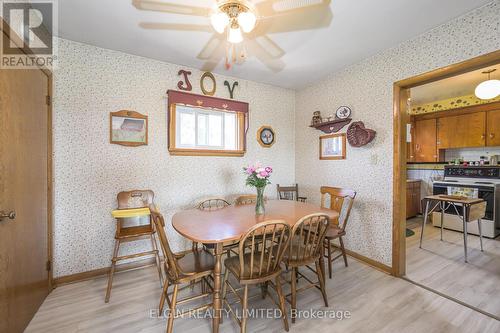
(133, 228)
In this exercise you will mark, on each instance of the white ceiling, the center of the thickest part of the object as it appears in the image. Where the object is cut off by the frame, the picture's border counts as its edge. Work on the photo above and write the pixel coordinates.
(456, 86)
(359, 29)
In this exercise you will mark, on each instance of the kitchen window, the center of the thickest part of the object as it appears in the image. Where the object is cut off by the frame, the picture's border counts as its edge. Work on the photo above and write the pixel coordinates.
(208, 131)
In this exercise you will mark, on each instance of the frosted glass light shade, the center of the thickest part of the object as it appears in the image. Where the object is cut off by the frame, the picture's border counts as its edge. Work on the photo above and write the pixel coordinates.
(488, 89)
(246, 21)
(219, 21)
(235, 36)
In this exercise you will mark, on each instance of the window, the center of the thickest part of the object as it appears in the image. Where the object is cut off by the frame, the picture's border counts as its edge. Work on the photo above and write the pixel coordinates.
(203, 131)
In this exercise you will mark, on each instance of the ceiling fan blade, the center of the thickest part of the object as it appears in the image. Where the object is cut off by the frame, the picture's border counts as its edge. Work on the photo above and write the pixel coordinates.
(212, 48)
(305, 19)
(175, 26)
(270, 47)
(255, 49)
(277, 7)
(160, 6)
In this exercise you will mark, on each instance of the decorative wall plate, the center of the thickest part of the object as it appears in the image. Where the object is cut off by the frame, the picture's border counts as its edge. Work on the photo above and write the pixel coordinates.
(266, 136)
(343, 112)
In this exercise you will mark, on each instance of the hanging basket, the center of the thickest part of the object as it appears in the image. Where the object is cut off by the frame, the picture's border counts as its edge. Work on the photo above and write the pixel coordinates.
(358, 135)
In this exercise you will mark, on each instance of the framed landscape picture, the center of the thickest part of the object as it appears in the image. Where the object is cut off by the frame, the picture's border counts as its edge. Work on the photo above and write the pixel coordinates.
(332, 147)
(128, 128)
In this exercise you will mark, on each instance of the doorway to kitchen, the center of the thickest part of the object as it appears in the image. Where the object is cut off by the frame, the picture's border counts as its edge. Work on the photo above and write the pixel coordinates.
(446, 144)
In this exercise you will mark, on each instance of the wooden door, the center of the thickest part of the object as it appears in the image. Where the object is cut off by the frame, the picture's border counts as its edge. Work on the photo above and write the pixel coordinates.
(425, 140)
(24, 163)
(493, 125)
(462, 131)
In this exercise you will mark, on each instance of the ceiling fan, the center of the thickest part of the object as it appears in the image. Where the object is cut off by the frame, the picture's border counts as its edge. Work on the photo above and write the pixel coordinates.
(241, 27)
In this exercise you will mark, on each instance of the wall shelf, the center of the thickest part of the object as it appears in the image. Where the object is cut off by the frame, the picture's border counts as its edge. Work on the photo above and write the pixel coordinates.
(332, 126)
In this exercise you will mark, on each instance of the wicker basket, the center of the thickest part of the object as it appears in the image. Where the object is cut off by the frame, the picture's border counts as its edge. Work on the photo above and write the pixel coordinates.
(358, 135)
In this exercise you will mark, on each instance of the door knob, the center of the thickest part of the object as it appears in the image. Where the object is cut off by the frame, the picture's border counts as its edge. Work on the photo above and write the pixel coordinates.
(11, 215)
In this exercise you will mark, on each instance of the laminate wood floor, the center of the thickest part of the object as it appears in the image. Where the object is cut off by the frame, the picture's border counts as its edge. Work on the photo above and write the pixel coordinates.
(377, 302)
(440, 265)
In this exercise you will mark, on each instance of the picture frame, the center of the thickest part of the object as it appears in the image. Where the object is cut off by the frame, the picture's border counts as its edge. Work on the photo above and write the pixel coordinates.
(266, 136)
(332, 146)
(128, 128)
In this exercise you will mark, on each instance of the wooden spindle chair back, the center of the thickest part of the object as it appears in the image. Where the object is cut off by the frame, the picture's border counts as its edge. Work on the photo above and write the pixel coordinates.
(172, 268)
(248, 199)
(213, 204)
(308, 234)
(288, 192)
(261, 249)
(337, 198)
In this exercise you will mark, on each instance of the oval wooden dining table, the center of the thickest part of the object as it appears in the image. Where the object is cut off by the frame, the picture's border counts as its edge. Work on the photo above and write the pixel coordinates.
(230, 223)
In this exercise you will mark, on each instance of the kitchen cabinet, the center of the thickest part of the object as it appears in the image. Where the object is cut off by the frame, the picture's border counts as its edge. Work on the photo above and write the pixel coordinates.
(412, 198)
(493, 128)
(462, 131)
(425, 136)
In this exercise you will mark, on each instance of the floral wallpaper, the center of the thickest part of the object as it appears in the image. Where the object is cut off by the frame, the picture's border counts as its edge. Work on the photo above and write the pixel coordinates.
(367, 87)
(91, 82)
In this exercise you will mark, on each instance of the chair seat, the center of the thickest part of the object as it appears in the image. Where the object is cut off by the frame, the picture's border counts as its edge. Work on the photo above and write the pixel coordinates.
(294, 250)
(194, 264)
(233, 264)
(334, 232)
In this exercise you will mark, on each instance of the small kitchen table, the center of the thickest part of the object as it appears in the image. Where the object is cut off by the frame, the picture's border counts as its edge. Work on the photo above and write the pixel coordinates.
(472, 210)
(230, 223)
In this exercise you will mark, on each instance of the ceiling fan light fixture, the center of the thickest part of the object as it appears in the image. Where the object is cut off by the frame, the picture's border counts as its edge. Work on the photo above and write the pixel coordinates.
(219, 21)
(235, 36)
(488, 89)
(246, 21)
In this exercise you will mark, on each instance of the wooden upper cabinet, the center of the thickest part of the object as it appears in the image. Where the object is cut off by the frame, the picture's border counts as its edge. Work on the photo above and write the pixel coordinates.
(425, 134)
(466, 130)
(493, 131)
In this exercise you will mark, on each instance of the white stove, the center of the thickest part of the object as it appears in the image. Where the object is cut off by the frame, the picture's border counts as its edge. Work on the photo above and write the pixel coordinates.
(476, 182)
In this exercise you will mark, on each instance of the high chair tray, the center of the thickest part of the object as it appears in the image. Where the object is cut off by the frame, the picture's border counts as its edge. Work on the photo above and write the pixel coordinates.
(134, 212)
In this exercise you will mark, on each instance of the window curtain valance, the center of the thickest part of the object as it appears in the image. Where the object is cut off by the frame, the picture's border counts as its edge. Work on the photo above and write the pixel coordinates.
(180, 97)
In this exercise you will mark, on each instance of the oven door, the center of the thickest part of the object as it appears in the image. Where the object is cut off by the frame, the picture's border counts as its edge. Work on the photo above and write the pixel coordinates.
(486, 193)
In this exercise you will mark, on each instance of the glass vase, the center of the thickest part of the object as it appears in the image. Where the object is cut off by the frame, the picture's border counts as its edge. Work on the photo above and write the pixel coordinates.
(259, 204)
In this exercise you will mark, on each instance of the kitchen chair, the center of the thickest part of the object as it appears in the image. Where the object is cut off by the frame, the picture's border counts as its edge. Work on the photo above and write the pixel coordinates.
(338, 197)
(305, 248)
(181, 269)
(257, 263)
(213, 204)
(209, 205)
(247, 199)
(289, 193)
(131, 229)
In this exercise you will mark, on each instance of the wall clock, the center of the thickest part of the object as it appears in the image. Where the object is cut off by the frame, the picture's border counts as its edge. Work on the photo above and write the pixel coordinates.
(266, 136)
(343, 112)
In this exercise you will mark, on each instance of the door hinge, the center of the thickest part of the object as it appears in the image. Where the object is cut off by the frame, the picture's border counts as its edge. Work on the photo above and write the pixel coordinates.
(48, 265)
(48, 100)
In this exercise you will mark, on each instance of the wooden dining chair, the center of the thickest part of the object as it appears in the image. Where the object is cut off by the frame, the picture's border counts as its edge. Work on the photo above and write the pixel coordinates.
(181, 269)
(131, 229)
(213, 204)
(289, 193)
(258, 262)
(306, 248)
(247, 199)
(338, 197)
(210, 205)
